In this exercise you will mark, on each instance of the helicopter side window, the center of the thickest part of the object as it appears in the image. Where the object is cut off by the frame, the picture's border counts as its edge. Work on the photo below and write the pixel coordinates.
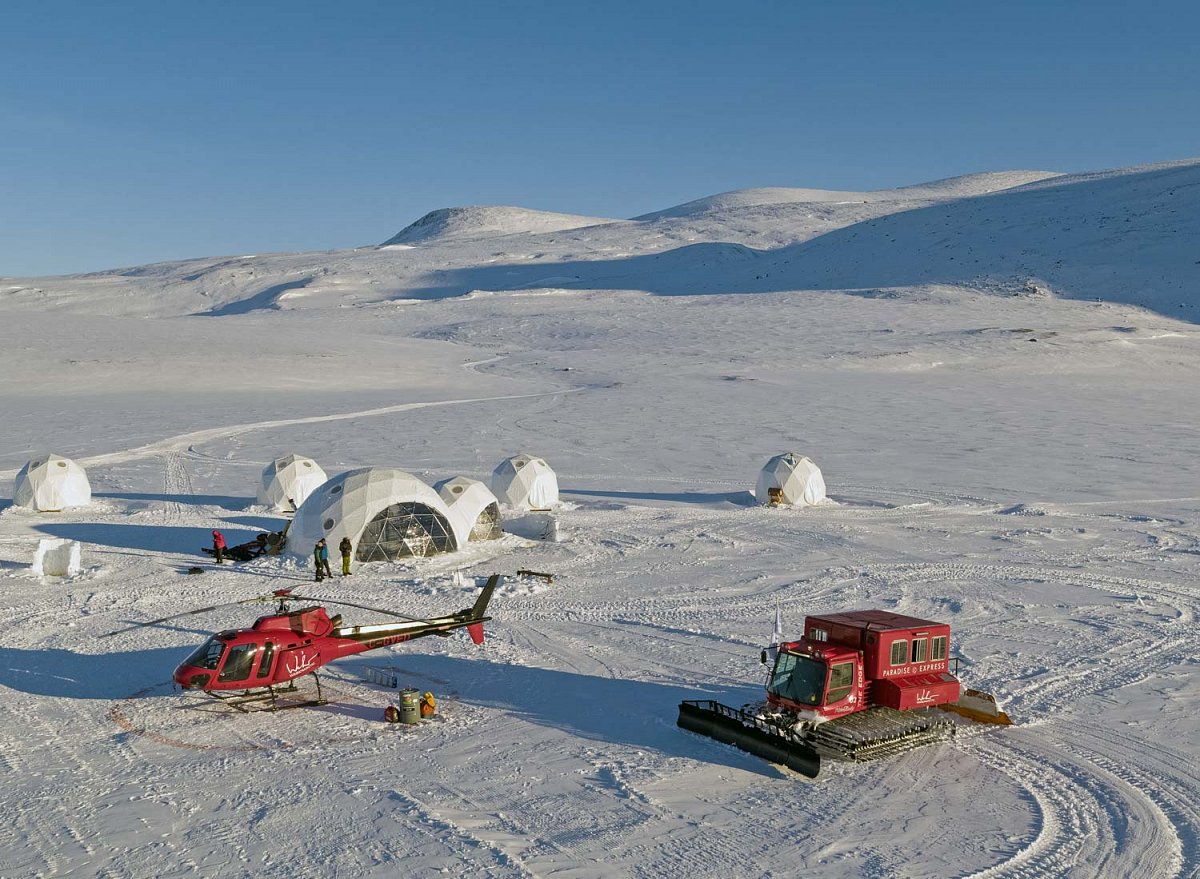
(238, 663)
(264, 665)
(207, 655)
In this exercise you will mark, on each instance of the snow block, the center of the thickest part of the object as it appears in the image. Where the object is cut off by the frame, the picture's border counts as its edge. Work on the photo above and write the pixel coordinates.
(534, 526)
(57, 557)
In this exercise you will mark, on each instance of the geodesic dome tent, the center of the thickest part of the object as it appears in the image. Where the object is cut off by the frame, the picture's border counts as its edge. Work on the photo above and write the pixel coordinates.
(790, 479)
(50, 483)
(288, 480)
(474, 510)
(526, 483)
(387, 514)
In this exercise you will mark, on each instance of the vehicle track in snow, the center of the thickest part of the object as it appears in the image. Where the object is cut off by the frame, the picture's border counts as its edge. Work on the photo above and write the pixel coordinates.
(1089, 819)
(182, 442)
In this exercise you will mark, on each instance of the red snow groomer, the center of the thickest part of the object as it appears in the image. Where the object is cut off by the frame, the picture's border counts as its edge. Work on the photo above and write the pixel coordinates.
(859, 685)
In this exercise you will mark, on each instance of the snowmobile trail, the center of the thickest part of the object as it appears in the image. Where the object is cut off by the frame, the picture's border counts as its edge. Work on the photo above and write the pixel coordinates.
(182, 442)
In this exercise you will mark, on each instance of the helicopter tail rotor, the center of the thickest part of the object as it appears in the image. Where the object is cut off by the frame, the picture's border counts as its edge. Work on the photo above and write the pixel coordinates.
(478, 611)
(485, 596)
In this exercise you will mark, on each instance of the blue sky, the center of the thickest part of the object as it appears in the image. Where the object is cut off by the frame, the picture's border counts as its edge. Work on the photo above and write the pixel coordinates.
(138, 132)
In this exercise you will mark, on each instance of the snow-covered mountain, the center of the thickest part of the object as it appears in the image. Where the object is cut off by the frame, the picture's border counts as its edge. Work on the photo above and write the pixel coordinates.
(486, 221)
(1122, 236)
(951, 187)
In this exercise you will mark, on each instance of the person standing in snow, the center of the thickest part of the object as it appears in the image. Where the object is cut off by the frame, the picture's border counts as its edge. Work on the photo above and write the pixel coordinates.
(346, 547)
(218, 546)
(321, 557)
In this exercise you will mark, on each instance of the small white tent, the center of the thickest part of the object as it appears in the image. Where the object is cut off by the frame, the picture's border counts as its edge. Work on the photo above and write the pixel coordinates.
(288, 480)
(474, 510)
(525, 483)
(387, 514)
(790, 479)
(50, 483)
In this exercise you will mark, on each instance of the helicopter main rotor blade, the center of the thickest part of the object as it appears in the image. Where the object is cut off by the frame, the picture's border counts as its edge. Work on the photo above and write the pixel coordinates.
(390, 613)
(188, 613)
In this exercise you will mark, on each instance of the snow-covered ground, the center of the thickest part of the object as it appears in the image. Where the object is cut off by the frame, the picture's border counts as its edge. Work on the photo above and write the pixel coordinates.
(1004, 452)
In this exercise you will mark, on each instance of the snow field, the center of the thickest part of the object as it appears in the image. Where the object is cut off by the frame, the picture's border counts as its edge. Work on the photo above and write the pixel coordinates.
(1041, 497)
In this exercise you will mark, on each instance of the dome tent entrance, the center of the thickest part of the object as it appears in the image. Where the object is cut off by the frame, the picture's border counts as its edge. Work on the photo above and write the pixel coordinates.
(790, 478)
(525, 482)
(474, 510)
(288, 480)
(403, 530)
(387, 514)
(51, 483)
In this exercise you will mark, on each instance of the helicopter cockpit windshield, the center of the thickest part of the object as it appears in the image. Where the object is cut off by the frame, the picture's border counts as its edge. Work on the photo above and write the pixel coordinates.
(798, 678)
(208, 654)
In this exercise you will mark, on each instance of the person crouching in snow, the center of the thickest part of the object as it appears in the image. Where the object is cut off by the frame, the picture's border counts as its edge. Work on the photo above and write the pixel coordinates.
(321, 557)
(218, 546)
(346, 547)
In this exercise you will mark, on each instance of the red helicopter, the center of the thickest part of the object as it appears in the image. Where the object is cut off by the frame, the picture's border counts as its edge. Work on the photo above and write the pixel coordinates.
(287, 645)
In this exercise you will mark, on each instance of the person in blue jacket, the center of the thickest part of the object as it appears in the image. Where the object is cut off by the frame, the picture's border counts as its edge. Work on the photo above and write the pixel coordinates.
(321, 557)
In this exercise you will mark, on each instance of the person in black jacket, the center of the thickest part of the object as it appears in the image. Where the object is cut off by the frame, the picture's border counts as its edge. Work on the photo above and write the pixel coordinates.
(346, 547)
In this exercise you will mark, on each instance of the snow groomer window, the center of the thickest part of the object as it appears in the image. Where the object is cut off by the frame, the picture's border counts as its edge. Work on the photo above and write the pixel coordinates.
(919, 649)
(841, 679)
(819, 635)
(939, 648)
(899, 652)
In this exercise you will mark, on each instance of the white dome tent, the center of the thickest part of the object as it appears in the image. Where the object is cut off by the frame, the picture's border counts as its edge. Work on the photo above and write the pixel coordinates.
(288, 480)
(474, 510)
(790, 479)
(525, 483)
(50, 483)
(387, 514)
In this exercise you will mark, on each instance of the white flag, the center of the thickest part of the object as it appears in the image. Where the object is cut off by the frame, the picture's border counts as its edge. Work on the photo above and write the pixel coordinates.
(776, 636)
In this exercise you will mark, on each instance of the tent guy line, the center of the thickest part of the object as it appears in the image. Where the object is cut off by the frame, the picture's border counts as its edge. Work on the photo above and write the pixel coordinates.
(182, 441)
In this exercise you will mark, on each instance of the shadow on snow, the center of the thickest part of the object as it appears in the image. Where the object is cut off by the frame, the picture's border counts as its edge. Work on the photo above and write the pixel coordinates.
(157, 538)
(637, 714)
(733, 498)
(69, 675)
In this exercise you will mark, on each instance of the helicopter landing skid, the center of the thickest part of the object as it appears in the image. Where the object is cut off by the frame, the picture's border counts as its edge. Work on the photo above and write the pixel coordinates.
(253, 700)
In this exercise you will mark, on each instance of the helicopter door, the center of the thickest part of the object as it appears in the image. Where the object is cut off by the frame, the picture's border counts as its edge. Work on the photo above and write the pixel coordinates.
(264, 664)
(238, 663)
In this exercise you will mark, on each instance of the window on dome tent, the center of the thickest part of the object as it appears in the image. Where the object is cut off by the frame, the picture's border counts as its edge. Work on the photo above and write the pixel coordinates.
(403, 530)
